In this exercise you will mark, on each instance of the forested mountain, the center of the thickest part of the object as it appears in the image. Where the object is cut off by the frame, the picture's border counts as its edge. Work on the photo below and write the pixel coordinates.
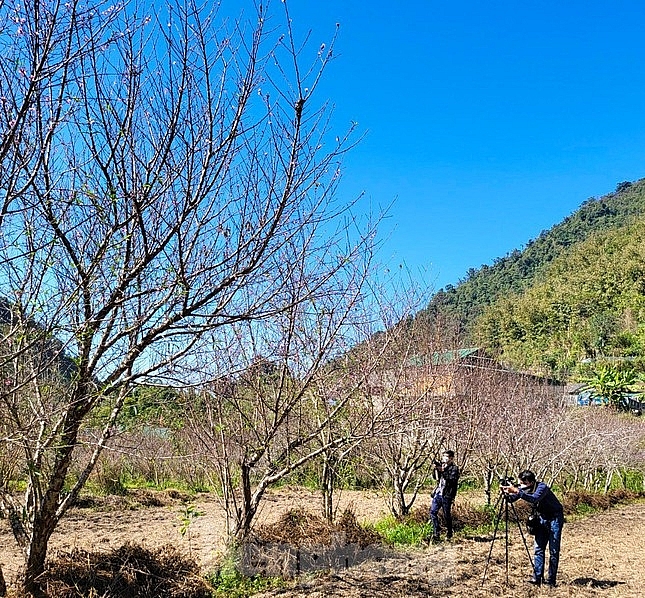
(576, 291)
(589, 303)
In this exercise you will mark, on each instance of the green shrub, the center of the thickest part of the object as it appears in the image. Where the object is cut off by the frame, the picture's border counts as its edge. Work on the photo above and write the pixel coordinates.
(110, 478)
(408, 532)
(630, 479)
(228, 582)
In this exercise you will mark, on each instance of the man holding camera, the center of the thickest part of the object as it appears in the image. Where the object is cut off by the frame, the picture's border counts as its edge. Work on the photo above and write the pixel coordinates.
(549, 531)
(447, 474)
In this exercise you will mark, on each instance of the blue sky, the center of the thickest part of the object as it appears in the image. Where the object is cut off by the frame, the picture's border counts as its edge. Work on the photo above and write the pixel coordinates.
(486, 122)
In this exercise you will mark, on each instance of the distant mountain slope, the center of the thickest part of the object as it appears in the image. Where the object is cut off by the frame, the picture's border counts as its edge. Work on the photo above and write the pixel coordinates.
(517, 271)
(588, 304)
(28, 339)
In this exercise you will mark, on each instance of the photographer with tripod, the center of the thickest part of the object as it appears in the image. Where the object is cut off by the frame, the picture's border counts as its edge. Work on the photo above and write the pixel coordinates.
(447, 474)
(548, 530)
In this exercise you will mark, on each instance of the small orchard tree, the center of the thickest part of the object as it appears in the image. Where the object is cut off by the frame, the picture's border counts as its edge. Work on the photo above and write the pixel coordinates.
(165, 179)
(474, 426)
(299, 396)
(416, 386)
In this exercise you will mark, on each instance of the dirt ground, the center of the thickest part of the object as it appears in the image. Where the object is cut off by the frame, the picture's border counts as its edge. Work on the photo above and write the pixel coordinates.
(602, 555)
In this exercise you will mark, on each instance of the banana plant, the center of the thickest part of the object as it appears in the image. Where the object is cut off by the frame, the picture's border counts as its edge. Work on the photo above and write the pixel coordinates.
(611, 385)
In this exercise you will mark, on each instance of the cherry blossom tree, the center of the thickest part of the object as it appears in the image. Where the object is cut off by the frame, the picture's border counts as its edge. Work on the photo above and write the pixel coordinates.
(165, 178)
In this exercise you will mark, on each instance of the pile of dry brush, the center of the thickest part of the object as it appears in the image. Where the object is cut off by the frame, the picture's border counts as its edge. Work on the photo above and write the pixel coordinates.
(297, 527)
(576, 498)
(124, 572)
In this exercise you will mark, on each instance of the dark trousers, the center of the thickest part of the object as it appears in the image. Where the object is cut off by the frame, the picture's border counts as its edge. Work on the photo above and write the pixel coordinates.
(439, 502)
(549, 534)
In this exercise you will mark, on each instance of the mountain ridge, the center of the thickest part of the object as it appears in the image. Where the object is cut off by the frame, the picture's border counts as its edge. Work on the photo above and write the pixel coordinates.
(464, 305)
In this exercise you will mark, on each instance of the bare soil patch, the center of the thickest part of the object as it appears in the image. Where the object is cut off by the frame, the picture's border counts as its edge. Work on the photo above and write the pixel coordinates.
(602, 555)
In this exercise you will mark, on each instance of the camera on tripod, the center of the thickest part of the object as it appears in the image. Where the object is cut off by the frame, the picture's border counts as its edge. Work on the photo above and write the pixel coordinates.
(505, 505)
(507, 481)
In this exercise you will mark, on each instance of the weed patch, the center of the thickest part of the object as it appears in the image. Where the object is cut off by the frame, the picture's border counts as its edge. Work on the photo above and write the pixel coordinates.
(230, 583)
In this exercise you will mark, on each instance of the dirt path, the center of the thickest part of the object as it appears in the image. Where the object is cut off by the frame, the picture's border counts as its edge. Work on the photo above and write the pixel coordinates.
(602, 555)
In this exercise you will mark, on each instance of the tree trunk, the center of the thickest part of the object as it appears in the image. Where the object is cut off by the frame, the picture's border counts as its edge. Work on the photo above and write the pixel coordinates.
(3, 585)
(47, 514)
(327, 484)
(44, 524)
(36, 563)
(488, 484)
(399, 507)
(246, 512)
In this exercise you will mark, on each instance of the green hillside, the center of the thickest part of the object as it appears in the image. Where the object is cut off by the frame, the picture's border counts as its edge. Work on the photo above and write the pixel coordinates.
(574, 292)
(589, 303)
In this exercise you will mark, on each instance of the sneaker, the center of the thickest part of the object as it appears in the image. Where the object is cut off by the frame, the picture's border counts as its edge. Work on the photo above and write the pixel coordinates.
(536, 581)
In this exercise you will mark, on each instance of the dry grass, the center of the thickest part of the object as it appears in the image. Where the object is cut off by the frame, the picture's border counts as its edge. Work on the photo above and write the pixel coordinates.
(125, 572)
(573, 500)
(134, 571)
(298, 527)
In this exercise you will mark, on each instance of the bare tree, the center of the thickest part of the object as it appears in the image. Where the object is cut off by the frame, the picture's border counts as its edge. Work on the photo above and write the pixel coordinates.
(416, 387)
(592, 446)
(392, 404)
(164, 179)
(403, 449)
(510, 419)
(475, 423)
(299, 396)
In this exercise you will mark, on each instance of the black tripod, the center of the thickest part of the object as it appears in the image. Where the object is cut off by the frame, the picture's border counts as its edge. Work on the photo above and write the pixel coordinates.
(502, 506)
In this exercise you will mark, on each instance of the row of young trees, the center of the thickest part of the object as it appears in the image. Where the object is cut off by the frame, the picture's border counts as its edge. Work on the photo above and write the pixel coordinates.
(387, 433)
(497, 421)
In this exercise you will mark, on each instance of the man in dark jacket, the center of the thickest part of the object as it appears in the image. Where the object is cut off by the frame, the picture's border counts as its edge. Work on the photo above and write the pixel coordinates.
(551, 515)
(447, 474)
